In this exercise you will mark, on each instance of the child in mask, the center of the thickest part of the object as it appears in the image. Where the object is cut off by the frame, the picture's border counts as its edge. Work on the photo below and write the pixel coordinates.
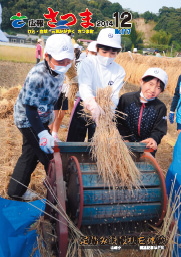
(33, 112)
(144, 118)
(92, 49)
(96, 72)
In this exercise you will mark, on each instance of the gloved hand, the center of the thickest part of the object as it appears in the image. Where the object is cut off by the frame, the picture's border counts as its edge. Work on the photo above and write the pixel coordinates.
(94, 108)
(171, 117)
(46, 141)
(96, 112)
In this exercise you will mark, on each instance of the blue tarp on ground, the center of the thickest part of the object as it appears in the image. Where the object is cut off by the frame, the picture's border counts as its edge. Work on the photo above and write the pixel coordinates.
(175, 169)
(15, 220)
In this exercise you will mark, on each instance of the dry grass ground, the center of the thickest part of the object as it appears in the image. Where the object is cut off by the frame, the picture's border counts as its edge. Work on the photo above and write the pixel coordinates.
(17, 54)
(13, 73)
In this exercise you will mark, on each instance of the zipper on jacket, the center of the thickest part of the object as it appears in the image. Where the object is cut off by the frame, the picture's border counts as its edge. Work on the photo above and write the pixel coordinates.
(139, 123)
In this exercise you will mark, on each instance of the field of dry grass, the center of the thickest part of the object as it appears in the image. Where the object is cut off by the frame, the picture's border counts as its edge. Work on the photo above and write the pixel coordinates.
(135, 66)
(17, 54)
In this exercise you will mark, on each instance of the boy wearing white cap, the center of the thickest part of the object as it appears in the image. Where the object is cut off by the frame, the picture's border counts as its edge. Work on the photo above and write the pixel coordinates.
(144, 116)
(92, 49)
(97, 72)
(33, 112)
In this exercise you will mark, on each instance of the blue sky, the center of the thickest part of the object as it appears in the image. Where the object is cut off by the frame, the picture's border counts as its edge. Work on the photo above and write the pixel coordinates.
(142, 6)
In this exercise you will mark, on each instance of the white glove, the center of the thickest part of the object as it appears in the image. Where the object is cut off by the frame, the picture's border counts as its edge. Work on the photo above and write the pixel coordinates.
(95, 109)
(46, 141)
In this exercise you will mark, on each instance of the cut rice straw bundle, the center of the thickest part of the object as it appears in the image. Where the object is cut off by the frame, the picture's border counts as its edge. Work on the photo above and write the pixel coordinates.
(74, 233)
(73, 89)
(7, 101)
(6, 108)
(71, 73)
(40, 240)
(112, 156)
(72, 80)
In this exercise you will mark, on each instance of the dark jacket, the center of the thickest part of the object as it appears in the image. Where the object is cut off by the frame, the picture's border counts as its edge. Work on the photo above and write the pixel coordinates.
(141, 120)
(176, 95)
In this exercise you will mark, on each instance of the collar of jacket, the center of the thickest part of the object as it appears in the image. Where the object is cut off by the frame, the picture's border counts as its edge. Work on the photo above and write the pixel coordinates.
(137, 99)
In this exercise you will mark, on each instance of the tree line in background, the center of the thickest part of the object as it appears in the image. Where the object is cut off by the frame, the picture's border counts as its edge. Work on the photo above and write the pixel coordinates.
(168, 20)
(168, 27)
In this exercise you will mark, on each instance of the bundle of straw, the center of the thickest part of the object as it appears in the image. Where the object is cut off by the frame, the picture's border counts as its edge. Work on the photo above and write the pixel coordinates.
(74, 233)
(73, 89)
(7, 101)
(71, 73)
(40, 241)
(136, 66)
(72, 80)
(112, 156)
(6, 108)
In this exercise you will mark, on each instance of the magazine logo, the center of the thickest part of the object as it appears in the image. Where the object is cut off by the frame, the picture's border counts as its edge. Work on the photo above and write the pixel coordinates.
(18, 21)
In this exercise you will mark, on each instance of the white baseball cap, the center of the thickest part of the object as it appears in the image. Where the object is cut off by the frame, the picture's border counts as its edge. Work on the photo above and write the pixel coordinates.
(157, 73)
(108, 37)
(92, 47)
(135, 50)
(60, 47)
(76, 46)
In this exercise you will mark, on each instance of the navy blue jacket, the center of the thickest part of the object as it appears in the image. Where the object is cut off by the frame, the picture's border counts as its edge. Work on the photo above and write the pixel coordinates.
(141, 120)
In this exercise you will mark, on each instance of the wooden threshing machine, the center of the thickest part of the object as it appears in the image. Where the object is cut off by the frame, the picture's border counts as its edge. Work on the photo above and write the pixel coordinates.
(82, 194)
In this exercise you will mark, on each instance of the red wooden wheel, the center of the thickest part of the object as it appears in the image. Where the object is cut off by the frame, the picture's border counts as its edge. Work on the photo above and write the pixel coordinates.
(50, 184)
(75, 196)
(80, 190)
(148, 157)
(56, 189)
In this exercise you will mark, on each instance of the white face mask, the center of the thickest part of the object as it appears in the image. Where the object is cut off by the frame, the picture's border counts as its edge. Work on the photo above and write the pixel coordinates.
(105, 61)
(61, 69)
(147, 100)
